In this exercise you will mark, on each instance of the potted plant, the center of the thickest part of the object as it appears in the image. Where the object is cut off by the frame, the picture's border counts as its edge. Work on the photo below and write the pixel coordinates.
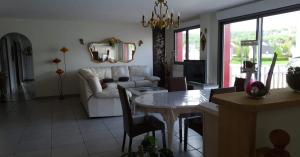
(148, 148)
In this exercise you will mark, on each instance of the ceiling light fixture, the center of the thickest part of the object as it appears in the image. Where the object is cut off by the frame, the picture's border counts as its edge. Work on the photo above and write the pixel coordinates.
(161, 17)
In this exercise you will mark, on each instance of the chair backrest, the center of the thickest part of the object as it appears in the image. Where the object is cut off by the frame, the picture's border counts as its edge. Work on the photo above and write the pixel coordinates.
(239, 84)
(127, 116)
(221, 91)
(177, 84)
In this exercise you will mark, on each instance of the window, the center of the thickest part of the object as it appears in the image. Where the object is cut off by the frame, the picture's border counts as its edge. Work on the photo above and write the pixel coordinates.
(270, 36)
(187, 44)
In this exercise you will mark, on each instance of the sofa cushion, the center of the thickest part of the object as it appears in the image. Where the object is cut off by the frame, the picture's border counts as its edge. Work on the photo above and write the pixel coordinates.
(107, 80)
(94, 84)
(102, 72)
(152, 78)
(86, 73)
(143, 83)
(138, 71)
(137, 78)
(119, 71)
(110, 91)
(128, 84)
(123, 79)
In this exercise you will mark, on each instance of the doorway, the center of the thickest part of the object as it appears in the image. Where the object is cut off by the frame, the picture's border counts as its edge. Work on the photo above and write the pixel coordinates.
(16, 68)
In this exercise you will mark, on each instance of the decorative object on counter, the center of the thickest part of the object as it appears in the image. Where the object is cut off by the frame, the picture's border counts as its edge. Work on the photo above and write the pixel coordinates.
(141, 42)
(148, 148)
(280, 139)
(293, 73)
(161, 18)
(293, 78)
(257, 89)
(112, 50)
(203, 39)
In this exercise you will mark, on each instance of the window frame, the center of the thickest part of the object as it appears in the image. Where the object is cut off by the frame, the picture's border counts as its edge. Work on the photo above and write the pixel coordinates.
(257, 16)
(186, 40)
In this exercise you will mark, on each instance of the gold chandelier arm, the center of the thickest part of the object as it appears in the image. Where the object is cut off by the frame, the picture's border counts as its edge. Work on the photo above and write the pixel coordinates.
(161, 18)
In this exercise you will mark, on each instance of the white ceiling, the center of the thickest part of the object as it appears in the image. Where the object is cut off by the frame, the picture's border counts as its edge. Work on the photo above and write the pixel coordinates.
(105, 10)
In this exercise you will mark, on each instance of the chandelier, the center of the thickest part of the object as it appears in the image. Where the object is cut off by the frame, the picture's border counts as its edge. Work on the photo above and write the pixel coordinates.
(161, 17)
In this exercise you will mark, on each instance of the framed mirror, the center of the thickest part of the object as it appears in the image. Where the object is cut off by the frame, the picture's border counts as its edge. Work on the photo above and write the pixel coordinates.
(112, 50)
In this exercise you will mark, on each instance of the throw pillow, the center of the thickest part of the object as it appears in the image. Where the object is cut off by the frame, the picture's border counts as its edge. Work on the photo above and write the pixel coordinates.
(104, 85)
(94, 84)
(107, 80)
(123, 79)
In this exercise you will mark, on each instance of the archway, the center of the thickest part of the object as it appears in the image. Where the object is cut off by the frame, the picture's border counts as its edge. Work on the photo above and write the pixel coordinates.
(16, 67)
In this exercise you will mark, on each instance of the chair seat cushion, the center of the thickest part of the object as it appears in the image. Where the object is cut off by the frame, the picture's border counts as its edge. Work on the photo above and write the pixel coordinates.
(146, 124)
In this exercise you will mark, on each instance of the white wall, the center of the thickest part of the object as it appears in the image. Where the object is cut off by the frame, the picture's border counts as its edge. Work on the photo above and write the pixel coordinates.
(209, 22)
(49, 36)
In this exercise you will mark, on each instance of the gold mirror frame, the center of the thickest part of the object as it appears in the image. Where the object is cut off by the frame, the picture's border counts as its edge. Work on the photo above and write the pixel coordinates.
(111, 53)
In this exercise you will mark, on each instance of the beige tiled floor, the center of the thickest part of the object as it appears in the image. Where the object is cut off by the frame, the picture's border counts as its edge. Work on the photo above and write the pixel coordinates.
(53, 128)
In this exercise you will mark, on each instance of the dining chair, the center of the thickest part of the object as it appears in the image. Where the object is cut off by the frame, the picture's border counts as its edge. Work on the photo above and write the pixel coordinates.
(180, 84)
(134, 126)
(196, 123)
(239, 84)
(177, 84)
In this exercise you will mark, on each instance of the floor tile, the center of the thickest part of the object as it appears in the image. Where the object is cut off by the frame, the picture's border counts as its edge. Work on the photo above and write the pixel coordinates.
(50, 127)
(39, 153)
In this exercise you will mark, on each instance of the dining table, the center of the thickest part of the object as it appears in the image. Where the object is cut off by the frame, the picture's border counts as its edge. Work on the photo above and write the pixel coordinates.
(171, 104)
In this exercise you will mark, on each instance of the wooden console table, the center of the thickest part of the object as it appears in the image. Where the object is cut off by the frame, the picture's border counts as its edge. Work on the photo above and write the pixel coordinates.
(244, 123)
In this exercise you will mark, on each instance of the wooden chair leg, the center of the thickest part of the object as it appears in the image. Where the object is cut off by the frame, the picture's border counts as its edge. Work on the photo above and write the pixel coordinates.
(185, 135)
(180, 129)
(130, 143)
(153, 134)
(163, 134)
(124, 139)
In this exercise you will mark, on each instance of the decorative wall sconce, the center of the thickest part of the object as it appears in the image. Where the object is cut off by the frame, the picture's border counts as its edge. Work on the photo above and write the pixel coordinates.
(140, 42)
(203, 39)
(81, 41)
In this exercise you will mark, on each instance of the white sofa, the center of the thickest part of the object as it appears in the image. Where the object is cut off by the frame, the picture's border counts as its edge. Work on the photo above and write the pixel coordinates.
(100, 102)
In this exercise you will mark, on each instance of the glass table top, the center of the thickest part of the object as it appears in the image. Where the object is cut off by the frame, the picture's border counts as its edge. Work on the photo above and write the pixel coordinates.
(174, 99)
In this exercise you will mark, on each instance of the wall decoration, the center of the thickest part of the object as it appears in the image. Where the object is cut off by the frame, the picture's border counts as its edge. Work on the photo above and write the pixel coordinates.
(141, 42)
(203, 39)
(112, 50)
(60, 73)
(159, 56)
(81, 41)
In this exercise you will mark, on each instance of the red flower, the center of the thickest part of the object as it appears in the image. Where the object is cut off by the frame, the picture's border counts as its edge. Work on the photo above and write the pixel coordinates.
(56, 61)
(59, 72)
(64, 50)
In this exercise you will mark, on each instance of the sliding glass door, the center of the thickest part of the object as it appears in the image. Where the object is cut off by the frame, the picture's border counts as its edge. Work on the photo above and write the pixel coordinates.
(276, 33)
(280, 34)
(234, 34)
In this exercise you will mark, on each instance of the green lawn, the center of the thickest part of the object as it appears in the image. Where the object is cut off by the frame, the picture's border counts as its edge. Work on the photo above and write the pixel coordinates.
(282, 60)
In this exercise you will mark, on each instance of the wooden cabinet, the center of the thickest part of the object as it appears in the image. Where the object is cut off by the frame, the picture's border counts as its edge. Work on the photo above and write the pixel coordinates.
(244, 123)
